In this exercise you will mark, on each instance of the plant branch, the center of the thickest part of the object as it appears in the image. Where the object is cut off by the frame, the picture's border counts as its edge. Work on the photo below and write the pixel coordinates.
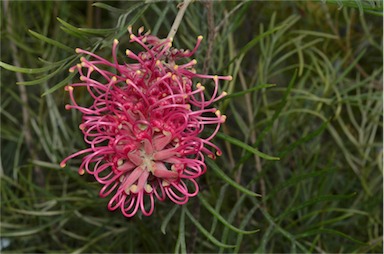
(178, 18)
(24, 98)
(211, 36)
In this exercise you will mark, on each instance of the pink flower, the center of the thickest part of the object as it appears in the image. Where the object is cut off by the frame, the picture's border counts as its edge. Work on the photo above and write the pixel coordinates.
(144, 126)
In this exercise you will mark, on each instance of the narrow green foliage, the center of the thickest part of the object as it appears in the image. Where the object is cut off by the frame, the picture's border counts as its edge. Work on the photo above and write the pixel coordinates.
(221, 219)
(59, 85)
(71, 30)
(45, 78)
(50, 41)
(245, 222)
(305, 139)
(279, 108)
(294, 181)
(302, 155)
(109, 8)
(246, 147)
(374, 7)
(28, 70)
(253, 42)
(166, 220)
(180, 243)
(206, 233)
(253, 89)
(315, 200)
(227, 179)
(328, 231)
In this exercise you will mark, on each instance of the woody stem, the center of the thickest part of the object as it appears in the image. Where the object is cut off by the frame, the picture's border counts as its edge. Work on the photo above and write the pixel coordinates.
(178, 18)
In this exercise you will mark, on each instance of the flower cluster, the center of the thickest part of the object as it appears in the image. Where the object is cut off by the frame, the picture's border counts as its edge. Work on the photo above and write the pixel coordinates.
(144, 126)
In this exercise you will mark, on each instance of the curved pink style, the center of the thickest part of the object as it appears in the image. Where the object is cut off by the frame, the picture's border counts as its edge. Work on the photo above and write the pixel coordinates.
(143, 128)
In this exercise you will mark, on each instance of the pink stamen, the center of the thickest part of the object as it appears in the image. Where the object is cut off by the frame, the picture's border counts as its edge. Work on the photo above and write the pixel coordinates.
(144, 126)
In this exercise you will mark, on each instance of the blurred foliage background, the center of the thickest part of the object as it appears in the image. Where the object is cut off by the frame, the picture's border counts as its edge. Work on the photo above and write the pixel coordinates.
(307, 88)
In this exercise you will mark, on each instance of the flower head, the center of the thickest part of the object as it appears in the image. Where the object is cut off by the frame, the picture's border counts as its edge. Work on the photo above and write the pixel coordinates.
(145, 124)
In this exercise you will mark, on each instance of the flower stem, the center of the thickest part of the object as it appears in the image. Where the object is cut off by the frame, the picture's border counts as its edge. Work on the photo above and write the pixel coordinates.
(178, 18)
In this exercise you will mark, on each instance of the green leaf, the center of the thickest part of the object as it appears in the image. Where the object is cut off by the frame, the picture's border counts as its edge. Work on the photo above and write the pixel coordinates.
(99, 31)
(243, 224)
(315, 200)
(363, 6)
(109, 8)
(47, 77)
(295, 180)
(59, 85)
(328, 231)
(21, 233)
(222, 220)
(350, 67)
(253, 42)
(255, 88)
(93, 240)
(25, 70)
(166, 220)
(278, 110)
(51, 41)
(72, 30)
(246, 147)
(316, 34)
(162, 19)
(220, 198)
(206, 233)
(304, 139)
(31, 231)
(243, 126)
(227, 179)
(51, 65)
(36, 213)
(236, 209)
(181, 239)
(272, 228)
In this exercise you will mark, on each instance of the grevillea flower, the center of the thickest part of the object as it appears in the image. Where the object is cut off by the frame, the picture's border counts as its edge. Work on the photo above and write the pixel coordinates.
(145, 124)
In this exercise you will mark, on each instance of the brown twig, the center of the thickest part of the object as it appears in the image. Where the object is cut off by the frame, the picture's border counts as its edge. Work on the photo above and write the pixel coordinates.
(225, 19)
(345, 46)
(249, 107)
(39, 176)
(211, 35)
(178, 18)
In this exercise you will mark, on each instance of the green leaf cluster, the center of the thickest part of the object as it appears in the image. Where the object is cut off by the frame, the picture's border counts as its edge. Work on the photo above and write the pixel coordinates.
(301, 170)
